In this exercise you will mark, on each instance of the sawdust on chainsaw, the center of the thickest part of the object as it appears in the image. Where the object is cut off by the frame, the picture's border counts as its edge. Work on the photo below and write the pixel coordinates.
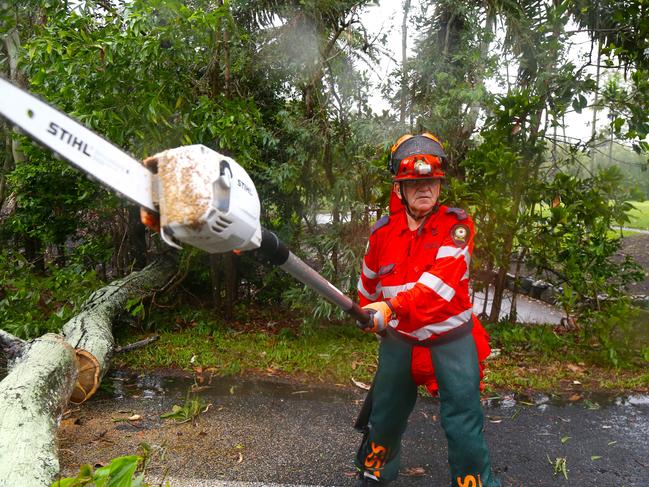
(185, 178)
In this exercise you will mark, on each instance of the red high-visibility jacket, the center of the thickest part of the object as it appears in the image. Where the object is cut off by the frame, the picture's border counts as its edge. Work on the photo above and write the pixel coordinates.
(424, 274)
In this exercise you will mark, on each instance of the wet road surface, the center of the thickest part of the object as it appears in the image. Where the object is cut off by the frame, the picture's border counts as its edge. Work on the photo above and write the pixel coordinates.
(263, 432)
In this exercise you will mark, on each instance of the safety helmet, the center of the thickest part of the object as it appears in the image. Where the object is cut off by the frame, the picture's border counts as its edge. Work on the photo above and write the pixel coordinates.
(417, 157)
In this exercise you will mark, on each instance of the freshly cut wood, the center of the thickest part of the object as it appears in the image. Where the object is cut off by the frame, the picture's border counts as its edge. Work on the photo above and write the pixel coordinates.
(91, 330)
(45, 371)
(88, 377)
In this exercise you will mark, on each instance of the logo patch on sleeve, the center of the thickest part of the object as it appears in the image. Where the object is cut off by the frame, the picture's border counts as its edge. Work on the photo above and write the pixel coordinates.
(460, 235)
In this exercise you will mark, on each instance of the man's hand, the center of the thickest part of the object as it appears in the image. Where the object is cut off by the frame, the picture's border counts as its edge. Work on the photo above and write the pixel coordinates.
(380, 316)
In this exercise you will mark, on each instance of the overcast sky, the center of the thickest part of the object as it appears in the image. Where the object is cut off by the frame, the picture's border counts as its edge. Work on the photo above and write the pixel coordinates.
(387, 18)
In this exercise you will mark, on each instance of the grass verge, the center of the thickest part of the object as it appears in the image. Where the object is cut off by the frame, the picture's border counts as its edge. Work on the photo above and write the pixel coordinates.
(540, 358)
(531, 358)
(639, 217)
(327, 354)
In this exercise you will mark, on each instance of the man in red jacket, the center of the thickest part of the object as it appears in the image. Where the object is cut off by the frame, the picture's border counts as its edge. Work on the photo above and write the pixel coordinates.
(415, 281)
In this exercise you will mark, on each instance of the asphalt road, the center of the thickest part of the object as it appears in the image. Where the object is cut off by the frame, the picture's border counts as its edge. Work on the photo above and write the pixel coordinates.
(265, 432)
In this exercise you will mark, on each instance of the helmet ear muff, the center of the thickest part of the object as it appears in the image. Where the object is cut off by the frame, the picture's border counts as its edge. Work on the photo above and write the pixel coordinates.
(394, 161)
(444, 164)
(393, 164)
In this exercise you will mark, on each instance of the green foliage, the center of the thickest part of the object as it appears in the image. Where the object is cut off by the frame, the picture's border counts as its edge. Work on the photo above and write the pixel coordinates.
(135, 307)
(50, 196)
(189, 411)
(278, 86)
(510, 184)
(537, 339)
(560, 466)
(612, 325)
(447, 73)
(331, 351)
(645, 354)
(639, 215)
(613, 337)
(32, 304)
(109, 72)
(120, 472)
(315, 308)
(572, 241)
(126, 57)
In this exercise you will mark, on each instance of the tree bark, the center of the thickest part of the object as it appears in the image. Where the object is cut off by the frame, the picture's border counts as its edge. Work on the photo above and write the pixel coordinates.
(136, 239)
(404, 59)
(7, 163)
(231, 284)
(216, 264)
(32, 396)
(34, 253)
(49, 370)
(12, 47)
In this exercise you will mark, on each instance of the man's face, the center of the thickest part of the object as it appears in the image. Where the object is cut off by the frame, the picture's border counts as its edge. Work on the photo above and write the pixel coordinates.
(421, 194)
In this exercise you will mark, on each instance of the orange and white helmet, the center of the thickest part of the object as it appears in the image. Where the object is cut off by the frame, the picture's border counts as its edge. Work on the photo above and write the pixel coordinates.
(417, 157)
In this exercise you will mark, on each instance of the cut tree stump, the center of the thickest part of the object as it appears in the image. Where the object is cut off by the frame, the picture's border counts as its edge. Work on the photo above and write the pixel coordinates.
(47, 372)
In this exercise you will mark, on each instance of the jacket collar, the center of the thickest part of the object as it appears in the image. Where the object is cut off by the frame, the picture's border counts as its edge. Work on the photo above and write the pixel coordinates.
(402, 219)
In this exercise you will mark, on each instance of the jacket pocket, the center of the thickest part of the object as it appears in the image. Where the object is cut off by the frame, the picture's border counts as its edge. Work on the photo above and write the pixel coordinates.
(384, 270)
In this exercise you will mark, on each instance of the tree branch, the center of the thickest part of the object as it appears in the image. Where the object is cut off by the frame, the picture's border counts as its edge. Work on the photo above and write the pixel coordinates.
(138, 344)
(11, 345)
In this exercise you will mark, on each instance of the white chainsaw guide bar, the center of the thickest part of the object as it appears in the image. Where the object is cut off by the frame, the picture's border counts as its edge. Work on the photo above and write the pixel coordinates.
(75, 143)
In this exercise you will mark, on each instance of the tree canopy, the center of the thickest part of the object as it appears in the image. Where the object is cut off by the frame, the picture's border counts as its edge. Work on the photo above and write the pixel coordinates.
(285, 89)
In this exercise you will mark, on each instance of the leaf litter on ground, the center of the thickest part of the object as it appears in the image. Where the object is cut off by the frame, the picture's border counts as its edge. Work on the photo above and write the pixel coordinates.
(360, 384)
(414, 472)
(560, 465)
(193, 406)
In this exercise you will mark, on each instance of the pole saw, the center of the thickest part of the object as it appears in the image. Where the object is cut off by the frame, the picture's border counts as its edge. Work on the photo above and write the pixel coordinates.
(203, 198)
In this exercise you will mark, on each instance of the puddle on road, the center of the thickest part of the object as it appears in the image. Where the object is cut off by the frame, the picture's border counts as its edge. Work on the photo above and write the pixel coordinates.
(120, 384)
(592, 401)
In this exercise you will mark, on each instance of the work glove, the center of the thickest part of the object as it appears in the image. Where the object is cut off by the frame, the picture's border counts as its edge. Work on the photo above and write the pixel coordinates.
(380, 313)
(149, 218)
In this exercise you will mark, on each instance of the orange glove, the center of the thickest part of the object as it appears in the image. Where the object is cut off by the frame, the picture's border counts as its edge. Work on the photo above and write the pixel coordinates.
(381, 311)
(150, 219)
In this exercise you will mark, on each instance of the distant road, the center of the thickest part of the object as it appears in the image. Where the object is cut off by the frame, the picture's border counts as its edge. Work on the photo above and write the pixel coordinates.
(636, 230)
(528, 310)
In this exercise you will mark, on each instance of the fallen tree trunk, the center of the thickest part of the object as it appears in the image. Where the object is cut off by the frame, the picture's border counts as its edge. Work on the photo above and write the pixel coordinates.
(47, 372)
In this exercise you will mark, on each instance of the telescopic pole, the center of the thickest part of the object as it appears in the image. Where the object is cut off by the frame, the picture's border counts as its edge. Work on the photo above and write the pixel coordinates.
(273, 249)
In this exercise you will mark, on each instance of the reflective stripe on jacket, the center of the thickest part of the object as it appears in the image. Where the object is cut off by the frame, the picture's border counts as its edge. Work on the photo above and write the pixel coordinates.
(423, 273)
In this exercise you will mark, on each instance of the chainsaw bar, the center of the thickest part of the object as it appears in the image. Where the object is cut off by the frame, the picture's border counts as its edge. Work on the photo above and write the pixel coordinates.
(75, 143)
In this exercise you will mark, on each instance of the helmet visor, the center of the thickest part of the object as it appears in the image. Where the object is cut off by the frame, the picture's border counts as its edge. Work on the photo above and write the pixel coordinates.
(420, 166)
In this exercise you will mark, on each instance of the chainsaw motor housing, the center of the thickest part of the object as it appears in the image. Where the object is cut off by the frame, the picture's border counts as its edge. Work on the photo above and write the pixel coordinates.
(206, 200)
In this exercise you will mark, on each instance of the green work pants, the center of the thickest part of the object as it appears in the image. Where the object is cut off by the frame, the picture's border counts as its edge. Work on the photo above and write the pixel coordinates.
(393, 398)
